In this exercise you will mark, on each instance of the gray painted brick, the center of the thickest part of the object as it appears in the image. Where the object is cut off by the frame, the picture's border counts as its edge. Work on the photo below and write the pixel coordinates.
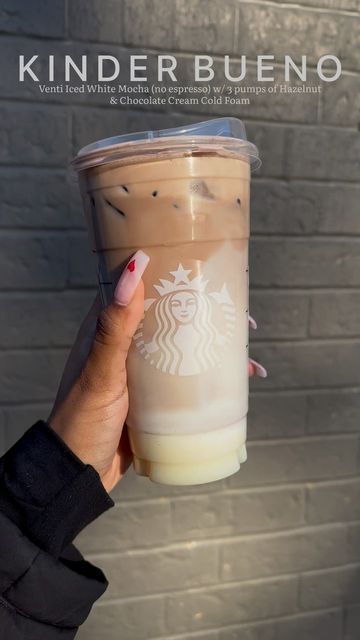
(308, 365)
(17, 419)
(209, 634)
(279, 315)
(330, 588)
(349, 32)
(334, 217)
(335, 314)
(335, 411)
(352, 623)
(297, 460)
(330, 154)
(276, 415)
(179, 567)
(204, 25)
(33, 258)
(181, 25)
(284, 207)
(123, 527)
(304, 208)
(205, 516)
(134, 487)
(82, 262)
(341, 101)
(234, 512)
(95, 20)
(353, 547)
(11, 49)
(30, 376)
(39, 198)
(274, 554)
(274, 107)
(271, 142)
(296, 262)
(262, 28)
(42, 319)
(40, 18)
(152, 27)
(333, 502)
(326, 625)
(230, 604)
(134, 619)
(28, 132)
(344, 5)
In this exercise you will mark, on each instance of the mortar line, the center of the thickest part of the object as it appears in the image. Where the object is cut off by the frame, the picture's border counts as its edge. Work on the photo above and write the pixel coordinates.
(245, 625)
(291, 485)
(259, 179)
(81, 232)
(285, 577)
(228, 540)
(272, 121)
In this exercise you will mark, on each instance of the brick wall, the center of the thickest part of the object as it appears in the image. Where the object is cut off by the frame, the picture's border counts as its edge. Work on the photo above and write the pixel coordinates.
(273, 552)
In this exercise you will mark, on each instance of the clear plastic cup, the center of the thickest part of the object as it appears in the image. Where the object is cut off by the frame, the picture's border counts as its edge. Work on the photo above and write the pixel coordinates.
(182, 196)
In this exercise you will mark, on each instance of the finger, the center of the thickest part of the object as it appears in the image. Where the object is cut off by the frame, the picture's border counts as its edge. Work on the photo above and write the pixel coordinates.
(85, 336)
(88, 326)
(252, 322)
(255, 368)
(126, 455)
(117, 324)
(79, 351)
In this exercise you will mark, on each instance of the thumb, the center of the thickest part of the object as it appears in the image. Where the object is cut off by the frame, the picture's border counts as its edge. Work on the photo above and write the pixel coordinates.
(115, 328)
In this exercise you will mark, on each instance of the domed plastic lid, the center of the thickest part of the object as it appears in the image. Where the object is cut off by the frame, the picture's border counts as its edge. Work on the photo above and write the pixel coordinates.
(223, 135)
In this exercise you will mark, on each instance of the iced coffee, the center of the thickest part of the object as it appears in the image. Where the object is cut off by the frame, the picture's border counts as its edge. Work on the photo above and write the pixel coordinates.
(184, 200)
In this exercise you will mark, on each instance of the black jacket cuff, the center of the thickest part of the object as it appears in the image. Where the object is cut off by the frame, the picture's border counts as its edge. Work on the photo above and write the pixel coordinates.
(47, 491)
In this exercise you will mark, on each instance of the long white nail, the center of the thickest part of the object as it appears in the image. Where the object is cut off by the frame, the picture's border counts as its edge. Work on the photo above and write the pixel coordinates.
(259, 369)
(130, 278)
(252, 322)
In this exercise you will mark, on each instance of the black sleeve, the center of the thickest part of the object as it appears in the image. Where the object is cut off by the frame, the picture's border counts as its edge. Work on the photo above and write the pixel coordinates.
(47, 496)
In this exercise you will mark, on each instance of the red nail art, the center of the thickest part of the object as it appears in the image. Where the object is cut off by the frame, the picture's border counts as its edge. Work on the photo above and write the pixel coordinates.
(130, 278)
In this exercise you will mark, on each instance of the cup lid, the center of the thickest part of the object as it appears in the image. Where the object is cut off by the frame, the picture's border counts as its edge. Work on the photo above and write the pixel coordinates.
(226, 133)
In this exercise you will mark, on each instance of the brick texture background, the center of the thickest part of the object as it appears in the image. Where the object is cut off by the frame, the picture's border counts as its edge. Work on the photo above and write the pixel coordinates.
(273, 552)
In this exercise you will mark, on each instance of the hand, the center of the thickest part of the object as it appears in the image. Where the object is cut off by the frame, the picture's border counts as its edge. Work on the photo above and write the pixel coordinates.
(92, 402)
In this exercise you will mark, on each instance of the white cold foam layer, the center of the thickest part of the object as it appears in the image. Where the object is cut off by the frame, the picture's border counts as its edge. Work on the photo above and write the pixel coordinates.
(202, 419)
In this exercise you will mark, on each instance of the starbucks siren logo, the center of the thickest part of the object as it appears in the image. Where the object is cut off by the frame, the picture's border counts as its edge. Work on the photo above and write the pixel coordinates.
(186, 340)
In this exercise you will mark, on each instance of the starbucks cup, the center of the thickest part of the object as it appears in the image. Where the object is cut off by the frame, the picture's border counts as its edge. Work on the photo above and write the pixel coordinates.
(182, 196)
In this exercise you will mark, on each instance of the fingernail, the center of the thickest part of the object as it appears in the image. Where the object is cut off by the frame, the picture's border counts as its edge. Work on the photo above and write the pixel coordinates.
(259, 369)
(252, 322)
(130, 278)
